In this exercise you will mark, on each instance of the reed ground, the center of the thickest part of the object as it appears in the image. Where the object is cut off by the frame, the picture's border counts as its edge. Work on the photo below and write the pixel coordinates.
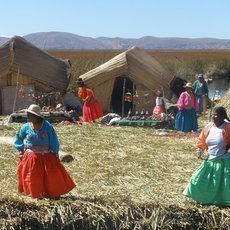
(126, 177)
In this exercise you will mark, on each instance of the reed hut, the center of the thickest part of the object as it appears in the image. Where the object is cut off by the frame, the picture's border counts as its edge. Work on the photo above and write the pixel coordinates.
(26, 70)
(133, 72)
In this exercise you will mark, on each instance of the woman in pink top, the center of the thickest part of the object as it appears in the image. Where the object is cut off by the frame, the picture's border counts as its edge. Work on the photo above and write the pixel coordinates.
(186, 119)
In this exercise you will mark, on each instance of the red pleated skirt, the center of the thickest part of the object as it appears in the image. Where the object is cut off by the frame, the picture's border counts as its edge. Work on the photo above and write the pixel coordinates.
(91, 110)
(43, 175)
(158, 110)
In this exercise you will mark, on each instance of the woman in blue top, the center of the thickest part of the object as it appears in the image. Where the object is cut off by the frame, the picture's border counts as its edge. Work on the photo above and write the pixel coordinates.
(40, 173)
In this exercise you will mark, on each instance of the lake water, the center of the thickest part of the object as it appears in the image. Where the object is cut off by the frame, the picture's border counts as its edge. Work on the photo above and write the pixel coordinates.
(222, 85)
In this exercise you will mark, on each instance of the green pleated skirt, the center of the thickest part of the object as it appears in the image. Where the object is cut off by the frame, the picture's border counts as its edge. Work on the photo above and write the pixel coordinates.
(210, 183)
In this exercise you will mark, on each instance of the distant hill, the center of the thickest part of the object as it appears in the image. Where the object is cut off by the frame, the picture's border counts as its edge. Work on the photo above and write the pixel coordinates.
(3, 40)
(60, 40)
(69, 41)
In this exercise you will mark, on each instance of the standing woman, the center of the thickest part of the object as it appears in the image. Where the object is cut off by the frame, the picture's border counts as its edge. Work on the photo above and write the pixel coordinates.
(40, 172)
(200, 87)
(91, 109)
(210, 183)
(186, 119)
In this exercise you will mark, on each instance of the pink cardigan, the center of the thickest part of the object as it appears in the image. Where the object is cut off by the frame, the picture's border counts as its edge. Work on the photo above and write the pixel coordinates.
(183, 102)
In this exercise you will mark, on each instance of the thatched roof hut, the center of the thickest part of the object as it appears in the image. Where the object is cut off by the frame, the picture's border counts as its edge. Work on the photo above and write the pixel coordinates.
(21, 63)
(142, 73)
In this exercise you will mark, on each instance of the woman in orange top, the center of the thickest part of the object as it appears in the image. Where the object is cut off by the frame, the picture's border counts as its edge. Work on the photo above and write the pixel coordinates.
(210, 183)
(91, 109)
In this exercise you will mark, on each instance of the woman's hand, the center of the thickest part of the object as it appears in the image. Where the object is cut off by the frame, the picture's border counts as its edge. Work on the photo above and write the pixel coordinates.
(199, 153)
(20, 154)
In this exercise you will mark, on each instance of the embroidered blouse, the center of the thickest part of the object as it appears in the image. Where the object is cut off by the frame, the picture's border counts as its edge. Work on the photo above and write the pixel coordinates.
(43, 140)
(159, 101)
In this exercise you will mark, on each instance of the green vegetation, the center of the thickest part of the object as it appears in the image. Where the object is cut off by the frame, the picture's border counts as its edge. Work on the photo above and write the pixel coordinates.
(185, 64)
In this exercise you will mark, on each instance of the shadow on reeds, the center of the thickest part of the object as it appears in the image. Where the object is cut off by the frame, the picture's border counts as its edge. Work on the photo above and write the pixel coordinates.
(74, 213)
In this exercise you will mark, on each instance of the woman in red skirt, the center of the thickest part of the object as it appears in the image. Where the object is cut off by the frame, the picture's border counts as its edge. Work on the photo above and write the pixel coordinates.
(40, 172)
(91, 109)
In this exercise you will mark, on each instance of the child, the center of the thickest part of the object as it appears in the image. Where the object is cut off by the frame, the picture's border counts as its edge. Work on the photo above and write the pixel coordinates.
(160, 104)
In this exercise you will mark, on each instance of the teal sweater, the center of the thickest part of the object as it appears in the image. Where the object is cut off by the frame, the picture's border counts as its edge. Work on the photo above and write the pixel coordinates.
(204, 87)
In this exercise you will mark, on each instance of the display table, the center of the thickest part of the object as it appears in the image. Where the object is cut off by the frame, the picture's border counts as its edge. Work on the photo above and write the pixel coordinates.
(148, 123)
(50, 116)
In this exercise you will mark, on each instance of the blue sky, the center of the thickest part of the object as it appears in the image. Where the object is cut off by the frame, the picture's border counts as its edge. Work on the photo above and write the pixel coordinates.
(118, 18)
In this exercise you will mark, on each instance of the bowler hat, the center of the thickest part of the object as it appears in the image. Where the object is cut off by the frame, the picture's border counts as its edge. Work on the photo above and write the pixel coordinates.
(80, 81)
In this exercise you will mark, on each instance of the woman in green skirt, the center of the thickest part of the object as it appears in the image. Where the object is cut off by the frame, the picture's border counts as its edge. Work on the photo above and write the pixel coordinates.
(210, 183)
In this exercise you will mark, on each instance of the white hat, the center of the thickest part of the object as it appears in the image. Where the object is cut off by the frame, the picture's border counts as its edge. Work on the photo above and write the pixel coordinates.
(188, 85)
(200, 75)
(58, 106)
(34, 109)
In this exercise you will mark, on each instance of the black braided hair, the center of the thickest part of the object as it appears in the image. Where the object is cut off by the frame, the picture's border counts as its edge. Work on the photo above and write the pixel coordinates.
(220, 110)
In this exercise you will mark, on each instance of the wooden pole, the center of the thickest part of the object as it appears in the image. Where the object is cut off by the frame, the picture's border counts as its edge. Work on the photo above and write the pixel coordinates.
(123, 98)
(16, 93)
(133, 105)
(212, 104)
(204, 101)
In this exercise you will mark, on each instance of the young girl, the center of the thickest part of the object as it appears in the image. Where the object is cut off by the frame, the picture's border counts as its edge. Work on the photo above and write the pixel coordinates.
(160, 104)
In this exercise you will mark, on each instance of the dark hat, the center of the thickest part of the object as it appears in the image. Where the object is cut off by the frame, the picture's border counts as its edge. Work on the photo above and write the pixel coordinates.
(200, 75)
(80, 81)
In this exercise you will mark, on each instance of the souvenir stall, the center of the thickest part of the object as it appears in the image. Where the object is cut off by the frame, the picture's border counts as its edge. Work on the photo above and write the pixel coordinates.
(139, 106)
(48, 101)
(29, 75)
